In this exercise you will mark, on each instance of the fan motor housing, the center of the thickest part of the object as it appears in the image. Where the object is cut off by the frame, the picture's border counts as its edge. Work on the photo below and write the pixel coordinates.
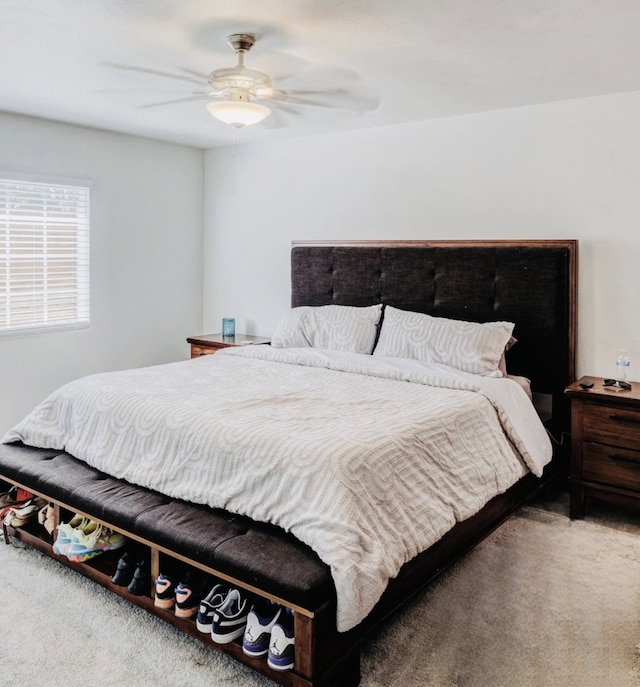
(249, 80)
(241, 41)
(239, 80)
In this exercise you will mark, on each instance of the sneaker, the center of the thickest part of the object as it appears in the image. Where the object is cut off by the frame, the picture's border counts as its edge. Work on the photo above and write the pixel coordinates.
(124, 569)
(65, 533)
(165, 591)
(92, 541)
(192, 587)
(212, 601)
(261, 619)
(230, 618)
(282, 644)
(141, 581)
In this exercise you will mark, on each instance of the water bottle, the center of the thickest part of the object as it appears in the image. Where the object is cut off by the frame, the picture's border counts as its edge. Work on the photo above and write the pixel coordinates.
(622, 366)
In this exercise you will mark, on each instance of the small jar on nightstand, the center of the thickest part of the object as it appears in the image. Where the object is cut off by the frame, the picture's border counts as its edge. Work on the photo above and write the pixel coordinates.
(605, 442)
(206, 344)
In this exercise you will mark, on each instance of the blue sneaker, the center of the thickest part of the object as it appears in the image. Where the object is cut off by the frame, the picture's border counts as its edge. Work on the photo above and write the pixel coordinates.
(261, 619)
(211, 602)
(66, 530)
(282, 644)
(93, 540)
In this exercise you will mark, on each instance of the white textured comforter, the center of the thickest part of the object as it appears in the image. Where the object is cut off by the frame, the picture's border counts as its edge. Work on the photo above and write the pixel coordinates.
(367, 460)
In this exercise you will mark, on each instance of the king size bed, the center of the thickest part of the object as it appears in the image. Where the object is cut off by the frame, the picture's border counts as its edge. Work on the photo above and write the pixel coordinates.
(411, 399)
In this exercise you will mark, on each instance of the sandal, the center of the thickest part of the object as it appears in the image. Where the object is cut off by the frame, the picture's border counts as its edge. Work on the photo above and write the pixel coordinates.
(14, 498)
(8, 498)
(21, 515)
(46, 517)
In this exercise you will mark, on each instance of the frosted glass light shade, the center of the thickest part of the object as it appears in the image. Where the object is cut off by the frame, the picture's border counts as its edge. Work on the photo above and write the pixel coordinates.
(238, 113)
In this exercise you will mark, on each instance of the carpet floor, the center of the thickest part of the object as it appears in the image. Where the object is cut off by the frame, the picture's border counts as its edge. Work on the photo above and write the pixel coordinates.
(543, 602)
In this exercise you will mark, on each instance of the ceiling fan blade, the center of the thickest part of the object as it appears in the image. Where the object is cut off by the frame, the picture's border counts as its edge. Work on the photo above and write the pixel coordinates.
(202, 78)
(306, 92)
(356, 102)
(175, 101)
(295, 100)
(279, 65)
(141, 91)
(153, 72)
(322, 75)
(337, 98)
(282, 107)
(275, 120)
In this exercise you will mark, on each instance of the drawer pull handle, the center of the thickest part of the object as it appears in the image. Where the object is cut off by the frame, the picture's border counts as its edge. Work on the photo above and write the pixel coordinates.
(624, 459)
(625, 418)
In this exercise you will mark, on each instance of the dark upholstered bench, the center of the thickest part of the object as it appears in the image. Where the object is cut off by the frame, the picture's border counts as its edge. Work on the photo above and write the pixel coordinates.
(258, 554)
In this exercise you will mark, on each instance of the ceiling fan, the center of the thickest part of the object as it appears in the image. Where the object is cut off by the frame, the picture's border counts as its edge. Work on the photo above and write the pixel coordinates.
(237, 86)
(237, 94)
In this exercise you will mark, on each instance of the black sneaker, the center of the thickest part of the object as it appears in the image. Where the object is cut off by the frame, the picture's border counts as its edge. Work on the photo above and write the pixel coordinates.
(125, 569)
(212, 601)
(230, 618)
(141, 581)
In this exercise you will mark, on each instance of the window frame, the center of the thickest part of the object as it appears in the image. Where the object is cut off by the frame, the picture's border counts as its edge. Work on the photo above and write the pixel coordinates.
(42, 229)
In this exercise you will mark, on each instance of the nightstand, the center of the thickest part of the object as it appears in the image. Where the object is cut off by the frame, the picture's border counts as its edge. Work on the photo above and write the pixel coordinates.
(212, 343)
(605, 444)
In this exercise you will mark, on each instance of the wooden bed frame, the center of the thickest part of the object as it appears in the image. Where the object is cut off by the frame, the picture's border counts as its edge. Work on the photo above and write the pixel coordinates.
(531, 283)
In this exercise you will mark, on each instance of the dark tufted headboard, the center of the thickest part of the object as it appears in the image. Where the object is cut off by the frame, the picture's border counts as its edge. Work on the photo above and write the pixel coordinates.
(531, 283)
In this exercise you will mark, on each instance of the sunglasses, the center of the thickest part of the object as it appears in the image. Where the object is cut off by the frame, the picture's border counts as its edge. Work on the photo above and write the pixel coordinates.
(613, 382)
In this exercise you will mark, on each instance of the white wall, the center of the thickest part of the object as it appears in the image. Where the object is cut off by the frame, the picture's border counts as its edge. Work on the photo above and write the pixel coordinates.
(562, 170)
(146, 256)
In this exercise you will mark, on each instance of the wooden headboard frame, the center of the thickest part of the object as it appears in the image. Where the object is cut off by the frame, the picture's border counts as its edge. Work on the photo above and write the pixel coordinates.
(531, 283)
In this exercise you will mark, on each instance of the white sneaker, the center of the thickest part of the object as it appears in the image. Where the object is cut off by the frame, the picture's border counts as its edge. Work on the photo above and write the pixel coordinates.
(282, 645)
(261, 619)
(229, 620)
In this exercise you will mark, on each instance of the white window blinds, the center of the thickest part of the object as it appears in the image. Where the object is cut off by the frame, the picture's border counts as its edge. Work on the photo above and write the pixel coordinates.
(44, 255)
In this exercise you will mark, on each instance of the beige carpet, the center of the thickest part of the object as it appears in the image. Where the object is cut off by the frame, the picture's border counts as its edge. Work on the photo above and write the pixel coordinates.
(543, 602)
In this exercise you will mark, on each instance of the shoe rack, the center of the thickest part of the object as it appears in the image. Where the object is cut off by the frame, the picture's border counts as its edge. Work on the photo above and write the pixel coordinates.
(101, 568)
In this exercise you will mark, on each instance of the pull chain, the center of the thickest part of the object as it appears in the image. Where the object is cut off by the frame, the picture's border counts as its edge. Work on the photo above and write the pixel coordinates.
(233, 162)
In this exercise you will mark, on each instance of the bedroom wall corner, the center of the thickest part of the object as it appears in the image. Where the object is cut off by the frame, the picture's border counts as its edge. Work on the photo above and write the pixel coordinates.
(146, 255)
(565, 170)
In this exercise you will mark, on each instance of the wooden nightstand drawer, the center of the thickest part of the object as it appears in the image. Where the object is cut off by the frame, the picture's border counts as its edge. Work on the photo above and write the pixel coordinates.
(612, 425)
(615, 466)
(207, 344)
(197, 351)
(605, 443)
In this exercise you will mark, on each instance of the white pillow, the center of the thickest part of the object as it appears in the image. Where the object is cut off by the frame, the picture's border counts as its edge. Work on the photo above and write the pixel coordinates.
(332, 327)
(468, 346)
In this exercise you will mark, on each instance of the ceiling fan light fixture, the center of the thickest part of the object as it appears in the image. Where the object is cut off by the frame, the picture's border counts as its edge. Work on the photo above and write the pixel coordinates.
(238, 113)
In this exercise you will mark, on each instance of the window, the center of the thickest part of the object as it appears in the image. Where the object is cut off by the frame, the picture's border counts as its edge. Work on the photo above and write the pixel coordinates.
(44, 255)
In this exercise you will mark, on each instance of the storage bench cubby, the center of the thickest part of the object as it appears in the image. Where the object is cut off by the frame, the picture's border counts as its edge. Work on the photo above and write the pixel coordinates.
(260, 559)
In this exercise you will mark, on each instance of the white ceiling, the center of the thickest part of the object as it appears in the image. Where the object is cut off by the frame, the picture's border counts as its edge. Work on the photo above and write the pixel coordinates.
(94, 62)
